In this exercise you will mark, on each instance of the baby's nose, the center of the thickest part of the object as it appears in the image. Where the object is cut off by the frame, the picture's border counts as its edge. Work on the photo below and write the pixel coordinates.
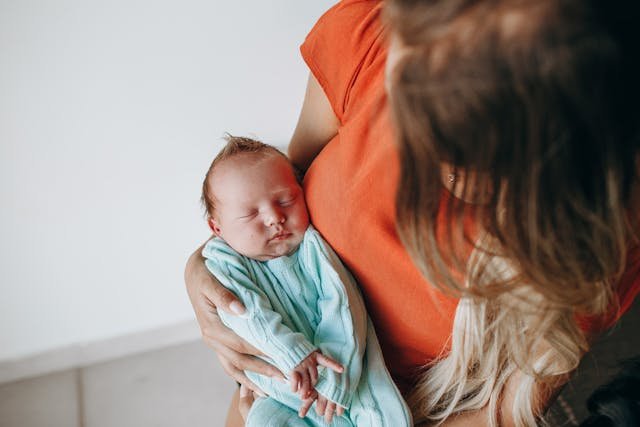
(274, 217)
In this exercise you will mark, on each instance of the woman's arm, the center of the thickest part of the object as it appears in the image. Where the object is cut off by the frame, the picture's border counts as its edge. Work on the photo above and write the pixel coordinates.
(207, 295)
(316, 126)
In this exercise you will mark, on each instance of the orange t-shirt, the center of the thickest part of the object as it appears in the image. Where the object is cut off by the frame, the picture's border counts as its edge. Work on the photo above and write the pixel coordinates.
(350, 190)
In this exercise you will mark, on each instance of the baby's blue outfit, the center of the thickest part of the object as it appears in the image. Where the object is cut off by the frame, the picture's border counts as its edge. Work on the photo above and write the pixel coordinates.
(298, 304)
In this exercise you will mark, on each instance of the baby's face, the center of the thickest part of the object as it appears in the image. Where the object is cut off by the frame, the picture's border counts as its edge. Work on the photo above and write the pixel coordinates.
(260, 209)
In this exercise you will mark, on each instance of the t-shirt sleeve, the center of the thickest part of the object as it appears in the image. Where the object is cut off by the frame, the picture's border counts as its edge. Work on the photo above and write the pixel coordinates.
(339, 45)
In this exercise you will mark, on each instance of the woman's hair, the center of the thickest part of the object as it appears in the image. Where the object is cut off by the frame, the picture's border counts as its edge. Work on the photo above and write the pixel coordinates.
(539, 100)
(235, 146)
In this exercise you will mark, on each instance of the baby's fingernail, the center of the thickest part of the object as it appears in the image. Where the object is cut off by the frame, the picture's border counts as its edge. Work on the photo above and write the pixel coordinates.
(236, 307)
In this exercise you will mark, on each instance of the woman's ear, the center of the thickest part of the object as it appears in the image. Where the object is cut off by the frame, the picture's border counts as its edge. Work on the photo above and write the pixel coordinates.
(214, 226)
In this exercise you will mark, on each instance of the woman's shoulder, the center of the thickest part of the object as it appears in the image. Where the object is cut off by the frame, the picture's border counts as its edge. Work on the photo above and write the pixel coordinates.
(339, 44)
(348, 11)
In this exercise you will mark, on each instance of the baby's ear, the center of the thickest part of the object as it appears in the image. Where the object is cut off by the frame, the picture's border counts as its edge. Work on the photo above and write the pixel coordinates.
(214, 226)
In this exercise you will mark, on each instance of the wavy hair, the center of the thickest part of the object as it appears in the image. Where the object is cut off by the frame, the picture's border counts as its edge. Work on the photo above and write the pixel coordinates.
(538, 100)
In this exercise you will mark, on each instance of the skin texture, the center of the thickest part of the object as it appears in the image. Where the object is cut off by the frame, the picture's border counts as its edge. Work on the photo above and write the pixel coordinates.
(239, 407)
(317, 125)
(260, 210)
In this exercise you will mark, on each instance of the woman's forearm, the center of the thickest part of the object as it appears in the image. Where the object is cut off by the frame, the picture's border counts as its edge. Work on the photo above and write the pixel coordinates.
(194, 266)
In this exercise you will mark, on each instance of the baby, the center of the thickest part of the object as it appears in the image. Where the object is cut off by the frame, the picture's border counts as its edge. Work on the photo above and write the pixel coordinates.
(303, 308)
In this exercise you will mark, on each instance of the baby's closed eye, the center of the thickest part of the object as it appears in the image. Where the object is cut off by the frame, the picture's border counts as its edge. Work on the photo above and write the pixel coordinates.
(248, 215)
(286, 202)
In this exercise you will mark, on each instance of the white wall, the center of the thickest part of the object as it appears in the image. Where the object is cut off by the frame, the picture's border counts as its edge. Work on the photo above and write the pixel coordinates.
(110, 112)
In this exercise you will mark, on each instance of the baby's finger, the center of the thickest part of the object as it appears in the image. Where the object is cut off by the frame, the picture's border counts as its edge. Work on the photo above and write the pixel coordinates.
(313, 375)
(294, 381)
(305, 386)
(339, 410)
(328, 413)
(304, 408)
(329, 363)
(321, 405)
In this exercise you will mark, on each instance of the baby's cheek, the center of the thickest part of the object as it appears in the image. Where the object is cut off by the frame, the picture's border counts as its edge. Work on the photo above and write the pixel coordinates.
(256, 233)
(252, 235)
(303, 217)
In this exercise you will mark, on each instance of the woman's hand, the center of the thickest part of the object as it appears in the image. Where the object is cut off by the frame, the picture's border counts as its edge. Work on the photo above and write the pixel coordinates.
(245, 402)
(207, 295)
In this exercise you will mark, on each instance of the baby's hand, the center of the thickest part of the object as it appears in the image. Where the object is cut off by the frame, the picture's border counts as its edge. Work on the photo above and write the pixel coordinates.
(327, 408)
(324, 407)
(304, 376)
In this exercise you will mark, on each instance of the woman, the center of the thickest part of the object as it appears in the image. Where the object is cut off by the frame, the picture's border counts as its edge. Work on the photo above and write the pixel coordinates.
(512, 187)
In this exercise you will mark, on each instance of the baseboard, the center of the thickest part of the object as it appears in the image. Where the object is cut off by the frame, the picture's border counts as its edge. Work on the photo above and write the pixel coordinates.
(80, 355)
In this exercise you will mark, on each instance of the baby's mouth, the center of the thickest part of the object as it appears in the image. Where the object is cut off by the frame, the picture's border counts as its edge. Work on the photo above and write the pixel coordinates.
(280, 236)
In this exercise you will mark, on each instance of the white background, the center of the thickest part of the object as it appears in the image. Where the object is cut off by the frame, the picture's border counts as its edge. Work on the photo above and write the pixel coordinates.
(110, 112)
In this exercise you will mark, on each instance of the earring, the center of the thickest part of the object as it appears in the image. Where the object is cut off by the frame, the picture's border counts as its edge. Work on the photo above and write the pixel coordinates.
(451, 177)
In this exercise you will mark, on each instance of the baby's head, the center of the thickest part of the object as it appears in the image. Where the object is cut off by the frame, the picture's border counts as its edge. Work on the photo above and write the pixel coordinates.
(254, 201)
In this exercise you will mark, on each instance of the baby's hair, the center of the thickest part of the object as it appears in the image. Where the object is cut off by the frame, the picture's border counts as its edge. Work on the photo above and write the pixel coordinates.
(235, 145)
